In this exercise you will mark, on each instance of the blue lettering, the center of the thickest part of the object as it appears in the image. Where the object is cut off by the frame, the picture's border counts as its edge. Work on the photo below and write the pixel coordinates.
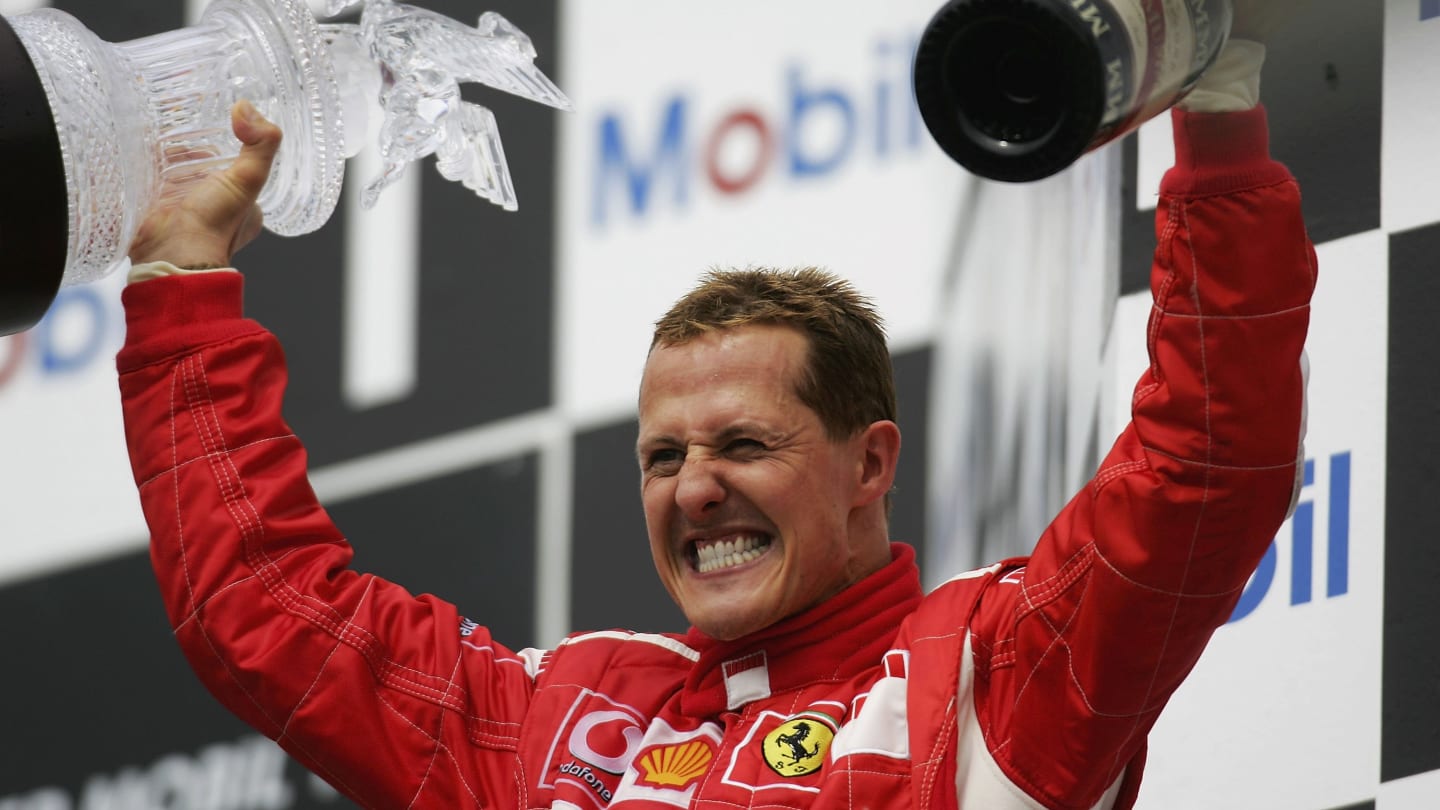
(1302, 544)
(885, 113)
(1338, 582)
(1302, 531)
(914, 123)
(819, 127)
(83, 327)
(882, 106)
(671, 154)
(1259, 585)
(59, 359)
(804, 103)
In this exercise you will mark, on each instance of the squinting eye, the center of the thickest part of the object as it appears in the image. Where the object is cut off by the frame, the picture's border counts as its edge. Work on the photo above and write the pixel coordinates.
(743, 446)
(662, 459)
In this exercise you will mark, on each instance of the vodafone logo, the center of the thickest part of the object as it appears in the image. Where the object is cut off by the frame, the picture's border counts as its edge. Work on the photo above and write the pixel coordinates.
(609, 740)
(591, 750)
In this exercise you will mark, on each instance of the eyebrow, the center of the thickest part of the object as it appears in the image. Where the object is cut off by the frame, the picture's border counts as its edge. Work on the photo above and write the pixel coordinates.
(727, 434)
(742, 429)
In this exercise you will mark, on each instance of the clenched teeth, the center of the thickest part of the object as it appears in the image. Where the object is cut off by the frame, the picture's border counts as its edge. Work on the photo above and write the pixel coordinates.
(718, 555)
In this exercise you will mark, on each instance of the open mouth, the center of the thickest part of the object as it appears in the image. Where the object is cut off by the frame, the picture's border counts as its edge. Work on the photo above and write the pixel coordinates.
(708, 556)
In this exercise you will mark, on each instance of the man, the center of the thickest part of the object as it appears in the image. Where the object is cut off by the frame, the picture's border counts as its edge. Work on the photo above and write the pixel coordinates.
(816, 674)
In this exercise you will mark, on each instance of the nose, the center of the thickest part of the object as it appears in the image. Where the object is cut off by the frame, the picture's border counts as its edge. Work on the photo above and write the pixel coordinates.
(700, 488)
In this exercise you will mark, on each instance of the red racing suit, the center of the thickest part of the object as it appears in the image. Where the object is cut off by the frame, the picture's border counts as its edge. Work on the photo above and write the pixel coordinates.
(1030, 684)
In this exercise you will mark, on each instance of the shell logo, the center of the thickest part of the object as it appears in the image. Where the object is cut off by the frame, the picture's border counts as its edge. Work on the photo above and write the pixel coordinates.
(676, 766)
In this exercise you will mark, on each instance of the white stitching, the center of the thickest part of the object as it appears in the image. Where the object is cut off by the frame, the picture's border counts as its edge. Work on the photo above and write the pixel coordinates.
(1162, 591)
(323, 664)
(1257, 316)
(439, 731)
(200, 623)
(1205, 490)
(179, 514)
(212, 597)
(1035, 667)
(1212, 466)
(442, 746)
(180, 465)
(252, 527)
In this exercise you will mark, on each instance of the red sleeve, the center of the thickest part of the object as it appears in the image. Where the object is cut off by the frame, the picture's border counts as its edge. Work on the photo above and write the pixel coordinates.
(373, 689)
(1125, 587)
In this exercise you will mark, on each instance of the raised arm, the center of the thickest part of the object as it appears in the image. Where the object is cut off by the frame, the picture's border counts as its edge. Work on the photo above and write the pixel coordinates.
(385, 695)
(1079, 648)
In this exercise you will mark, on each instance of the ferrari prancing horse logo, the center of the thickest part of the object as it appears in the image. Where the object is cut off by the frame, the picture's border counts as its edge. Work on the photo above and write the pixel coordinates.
(798, 746)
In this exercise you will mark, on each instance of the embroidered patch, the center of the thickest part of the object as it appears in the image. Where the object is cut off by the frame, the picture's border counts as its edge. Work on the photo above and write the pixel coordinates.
(798, 746)
(675, 766)
(592, 750)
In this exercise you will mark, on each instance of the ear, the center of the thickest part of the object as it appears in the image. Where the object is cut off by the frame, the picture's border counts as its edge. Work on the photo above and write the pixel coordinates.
(878, 447)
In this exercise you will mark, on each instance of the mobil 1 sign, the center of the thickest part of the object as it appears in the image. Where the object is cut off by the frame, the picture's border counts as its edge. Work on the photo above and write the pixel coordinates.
(806, 149)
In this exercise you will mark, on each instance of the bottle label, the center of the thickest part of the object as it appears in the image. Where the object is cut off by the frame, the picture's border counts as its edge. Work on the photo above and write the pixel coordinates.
(1167, 45)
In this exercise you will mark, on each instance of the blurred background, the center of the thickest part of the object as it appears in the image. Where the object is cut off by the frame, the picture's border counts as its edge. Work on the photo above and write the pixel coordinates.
(465, 379)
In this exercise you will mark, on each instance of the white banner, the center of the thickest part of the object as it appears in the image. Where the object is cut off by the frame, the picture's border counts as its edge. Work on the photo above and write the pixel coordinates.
(744, 133)
(68, 492)
(1409, 160)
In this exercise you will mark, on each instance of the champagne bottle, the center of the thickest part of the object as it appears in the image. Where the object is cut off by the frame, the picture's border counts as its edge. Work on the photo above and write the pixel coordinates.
(1017, 90)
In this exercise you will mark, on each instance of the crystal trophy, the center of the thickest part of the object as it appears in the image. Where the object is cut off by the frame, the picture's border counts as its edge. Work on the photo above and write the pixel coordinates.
(93, 133)
(1017, 90)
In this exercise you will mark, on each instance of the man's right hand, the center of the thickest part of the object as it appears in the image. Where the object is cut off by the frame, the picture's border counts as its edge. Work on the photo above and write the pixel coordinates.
(214, 218)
